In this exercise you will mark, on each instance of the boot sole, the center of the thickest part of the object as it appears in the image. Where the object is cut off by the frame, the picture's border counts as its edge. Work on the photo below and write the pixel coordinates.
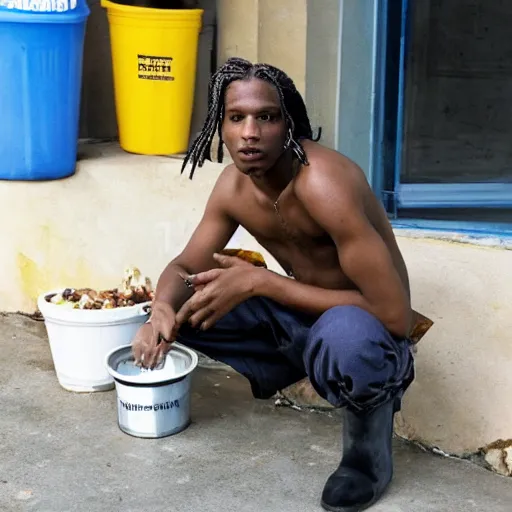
(352, 508)
(356, 508)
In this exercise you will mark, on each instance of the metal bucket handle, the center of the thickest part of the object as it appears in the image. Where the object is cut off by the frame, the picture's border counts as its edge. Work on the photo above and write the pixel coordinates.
(145, 308)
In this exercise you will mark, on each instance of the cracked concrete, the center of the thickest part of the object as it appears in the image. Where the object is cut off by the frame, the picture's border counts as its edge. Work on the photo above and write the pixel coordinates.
(63, 452)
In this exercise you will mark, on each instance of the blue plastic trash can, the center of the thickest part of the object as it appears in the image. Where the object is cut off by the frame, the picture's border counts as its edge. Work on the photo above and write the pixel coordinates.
(41, 59)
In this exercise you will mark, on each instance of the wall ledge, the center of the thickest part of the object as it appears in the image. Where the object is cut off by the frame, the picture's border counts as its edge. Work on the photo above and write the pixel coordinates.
(466, 237)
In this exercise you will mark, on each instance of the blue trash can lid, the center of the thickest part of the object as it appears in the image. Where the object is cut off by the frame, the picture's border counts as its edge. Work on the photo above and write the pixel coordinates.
(43, 11)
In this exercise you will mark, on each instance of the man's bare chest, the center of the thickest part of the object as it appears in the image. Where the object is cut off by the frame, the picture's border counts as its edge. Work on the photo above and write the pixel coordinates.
(289, 234)
(285, 221)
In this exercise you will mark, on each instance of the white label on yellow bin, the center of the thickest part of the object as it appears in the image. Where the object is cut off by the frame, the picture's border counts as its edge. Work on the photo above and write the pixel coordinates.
(155, 68)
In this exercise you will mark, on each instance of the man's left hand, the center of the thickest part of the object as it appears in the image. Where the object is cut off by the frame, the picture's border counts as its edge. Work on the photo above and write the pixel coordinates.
(218, 291)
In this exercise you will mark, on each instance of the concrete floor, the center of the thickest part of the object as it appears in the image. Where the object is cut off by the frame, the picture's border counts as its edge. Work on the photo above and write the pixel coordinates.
(63, 452)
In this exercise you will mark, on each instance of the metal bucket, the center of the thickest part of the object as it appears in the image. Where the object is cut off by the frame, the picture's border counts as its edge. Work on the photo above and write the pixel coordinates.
(152, 403)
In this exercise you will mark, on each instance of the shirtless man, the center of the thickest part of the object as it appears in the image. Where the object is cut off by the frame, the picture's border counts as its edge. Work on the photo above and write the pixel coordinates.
(342, 315)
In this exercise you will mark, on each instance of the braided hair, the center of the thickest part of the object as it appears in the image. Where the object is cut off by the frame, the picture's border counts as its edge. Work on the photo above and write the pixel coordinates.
(292, 105)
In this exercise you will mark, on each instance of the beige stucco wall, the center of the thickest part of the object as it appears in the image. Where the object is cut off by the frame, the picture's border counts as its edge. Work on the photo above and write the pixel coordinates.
(298, 36)
(265, 31)
(117, 210)
(122, 209)
(322, 62)
(459, 401)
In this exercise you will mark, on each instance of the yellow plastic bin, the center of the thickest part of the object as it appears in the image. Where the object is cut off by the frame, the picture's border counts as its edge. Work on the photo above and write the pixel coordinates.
(154, 56)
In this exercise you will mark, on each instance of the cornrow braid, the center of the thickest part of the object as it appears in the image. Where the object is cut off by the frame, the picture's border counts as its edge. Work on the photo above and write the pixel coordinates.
(292, 105)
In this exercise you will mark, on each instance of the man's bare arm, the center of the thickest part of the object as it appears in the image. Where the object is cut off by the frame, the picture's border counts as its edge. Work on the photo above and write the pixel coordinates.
(304, 297)
(211, 235)
(335, 202)
(335, 198)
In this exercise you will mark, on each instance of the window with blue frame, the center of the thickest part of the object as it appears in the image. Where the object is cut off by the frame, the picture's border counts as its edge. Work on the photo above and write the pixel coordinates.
(446, 116)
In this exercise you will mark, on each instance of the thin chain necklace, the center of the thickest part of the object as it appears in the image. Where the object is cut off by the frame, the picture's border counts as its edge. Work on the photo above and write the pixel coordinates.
(296, 167)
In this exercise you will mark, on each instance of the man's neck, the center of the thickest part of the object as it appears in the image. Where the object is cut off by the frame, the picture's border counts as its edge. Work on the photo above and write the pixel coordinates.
(277, 178)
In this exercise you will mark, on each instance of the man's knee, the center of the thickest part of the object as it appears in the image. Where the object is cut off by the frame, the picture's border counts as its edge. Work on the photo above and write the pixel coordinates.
(347, 332)
(350, 351)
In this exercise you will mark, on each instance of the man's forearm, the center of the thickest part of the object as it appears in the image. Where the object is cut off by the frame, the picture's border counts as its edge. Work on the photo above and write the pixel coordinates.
(171, 288)
(304, 297)
(316, 301)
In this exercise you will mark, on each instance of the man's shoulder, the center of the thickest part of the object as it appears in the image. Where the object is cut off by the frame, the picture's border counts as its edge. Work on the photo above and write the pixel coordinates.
(229, 179)
(227, 188)
(322, 157)
(328, 171)
(230, 170)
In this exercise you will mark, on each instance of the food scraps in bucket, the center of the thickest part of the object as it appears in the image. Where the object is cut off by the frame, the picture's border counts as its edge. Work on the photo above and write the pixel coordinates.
(134, 289)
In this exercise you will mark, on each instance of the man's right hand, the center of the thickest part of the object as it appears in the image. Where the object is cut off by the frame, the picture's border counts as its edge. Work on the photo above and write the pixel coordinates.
(147, 352)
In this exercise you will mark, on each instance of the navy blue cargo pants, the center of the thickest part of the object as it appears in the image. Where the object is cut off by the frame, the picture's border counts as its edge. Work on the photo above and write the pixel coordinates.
(349, 356)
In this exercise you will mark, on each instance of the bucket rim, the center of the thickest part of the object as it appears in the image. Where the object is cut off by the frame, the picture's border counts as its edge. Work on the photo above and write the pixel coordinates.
(89, 316)
(142, 11)
(132, 380)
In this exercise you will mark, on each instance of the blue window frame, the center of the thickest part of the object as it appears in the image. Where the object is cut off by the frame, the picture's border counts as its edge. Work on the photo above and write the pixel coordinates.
(484, 202)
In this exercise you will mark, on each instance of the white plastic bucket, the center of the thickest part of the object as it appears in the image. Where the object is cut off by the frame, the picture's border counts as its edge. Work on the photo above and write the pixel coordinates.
(80, 339)
(155, 403)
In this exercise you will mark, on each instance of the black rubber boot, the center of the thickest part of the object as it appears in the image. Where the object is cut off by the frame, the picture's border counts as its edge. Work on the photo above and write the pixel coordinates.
(366, 467)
